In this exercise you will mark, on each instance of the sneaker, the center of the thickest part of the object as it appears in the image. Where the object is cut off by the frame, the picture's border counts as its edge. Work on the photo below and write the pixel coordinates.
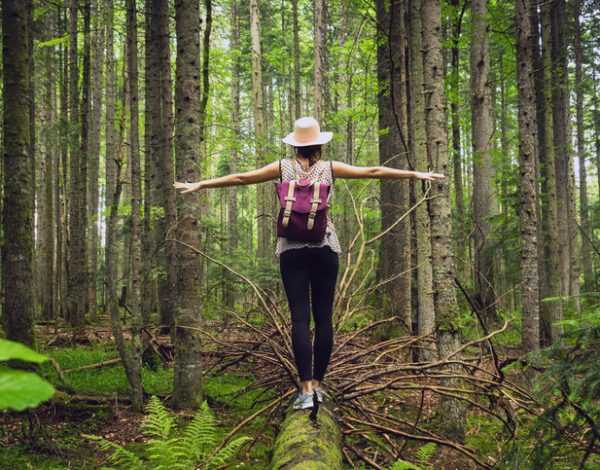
(319, 391)
(303, 401)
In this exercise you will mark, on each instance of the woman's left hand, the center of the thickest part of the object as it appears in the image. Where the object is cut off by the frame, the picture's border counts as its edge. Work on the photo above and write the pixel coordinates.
(188, 187)
(422, 175)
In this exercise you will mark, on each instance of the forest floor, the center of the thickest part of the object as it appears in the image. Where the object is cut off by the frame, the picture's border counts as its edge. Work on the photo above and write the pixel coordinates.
(50, 437)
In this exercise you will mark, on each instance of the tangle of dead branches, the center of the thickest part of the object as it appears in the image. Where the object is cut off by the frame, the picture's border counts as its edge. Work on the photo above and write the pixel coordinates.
(377, 387)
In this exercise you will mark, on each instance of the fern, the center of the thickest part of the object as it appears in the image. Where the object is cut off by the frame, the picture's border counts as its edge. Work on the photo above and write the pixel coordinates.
(425, 452)
(423, 455)
(404, 465)
(199, 436)
(120, 456)
(173, 450)
(158, 422)
(227, 452)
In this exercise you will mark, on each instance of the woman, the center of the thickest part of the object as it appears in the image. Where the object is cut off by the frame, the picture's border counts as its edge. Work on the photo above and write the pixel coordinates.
(308, 265)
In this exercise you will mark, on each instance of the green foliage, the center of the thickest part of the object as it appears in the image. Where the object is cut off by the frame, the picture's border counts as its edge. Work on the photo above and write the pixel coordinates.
(20, 389)
(569, 389)
(169, 449)
(423, 454)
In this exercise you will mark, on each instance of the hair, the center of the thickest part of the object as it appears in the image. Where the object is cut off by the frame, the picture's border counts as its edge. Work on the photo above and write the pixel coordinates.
(311, 152)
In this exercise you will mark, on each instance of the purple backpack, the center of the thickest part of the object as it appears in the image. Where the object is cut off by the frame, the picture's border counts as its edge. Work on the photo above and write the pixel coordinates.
(303, 213)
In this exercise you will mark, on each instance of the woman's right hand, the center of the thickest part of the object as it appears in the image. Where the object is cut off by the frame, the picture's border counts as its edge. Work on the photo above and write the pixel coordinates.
(188, 187)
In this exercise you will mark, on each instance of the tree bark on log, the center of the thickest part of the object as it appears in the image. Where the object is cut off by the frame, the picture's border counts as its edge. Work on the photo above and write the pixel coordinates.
(306, 444)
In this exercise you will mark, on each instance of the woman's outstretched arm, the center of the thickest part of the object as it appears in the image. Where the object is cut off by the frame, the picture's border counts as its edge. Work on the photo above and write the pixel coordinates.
(343, 170)
(266, 173)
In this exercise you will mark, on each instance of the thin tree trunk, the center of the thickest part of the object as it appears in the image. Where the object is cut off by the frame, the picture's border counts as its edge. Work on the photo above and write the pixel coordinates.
(164, 191)
(187, 381)
(462, 264)
(451, 410)
(76, 243)
(481, 129)
(527, 208)
(426, 310)
(553, 311)
(152, 122)
(136, 201)
(565, 178)
(586, 249)
(17, 215)
(233, 234)
(319, 49)
(263, 190)
(112, 151)
(94, 156)
(297, 90)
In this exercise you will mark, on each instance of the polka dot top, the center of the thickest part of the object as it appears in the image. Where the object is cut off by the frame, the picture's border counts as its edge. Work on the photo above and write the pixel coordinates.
(320, 171)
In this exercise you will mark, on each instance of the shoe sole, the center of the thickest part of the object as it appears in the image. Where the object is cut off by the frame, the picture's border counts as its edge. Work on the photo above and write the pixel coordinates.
(304, 407)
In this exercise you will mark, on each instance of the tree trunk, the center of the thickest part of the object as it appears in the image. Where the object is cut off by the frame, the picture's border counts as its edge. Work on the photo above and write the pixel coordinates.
(586, 249)
(551, 310)
(163, 154)
(62, 175)
(565, 178)
(527, 195)
(426, 311)
(112, 152)
(187, 381)
(297, 91)
(152, 130)
(319, 47)
(94, 156)
(462, 264)
(233, 236)
(136, 202)
(395, 260)
(263, 190)
(17, 215)
(481, 129)
(451, 411)
(302, 443)
(75, 271)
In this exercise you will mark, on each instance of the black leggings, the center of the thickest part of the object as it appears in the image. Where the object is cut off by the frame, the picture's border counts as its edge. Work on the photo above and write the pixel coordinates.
(317, 267)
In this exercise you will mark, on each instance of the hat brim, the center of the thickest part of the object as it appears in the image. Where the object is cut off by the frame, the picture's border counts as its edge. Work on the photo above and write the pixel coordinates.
(323, 138)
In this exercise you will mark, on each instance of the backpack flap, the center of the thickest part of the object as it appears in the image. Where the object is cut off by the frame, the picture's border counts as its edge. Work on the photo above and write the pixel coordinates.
(303, 195)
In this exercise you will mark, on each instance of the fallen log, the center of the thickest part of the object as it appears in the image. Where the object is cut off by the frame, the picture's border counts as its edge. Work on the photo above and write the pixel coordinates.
(304, 443)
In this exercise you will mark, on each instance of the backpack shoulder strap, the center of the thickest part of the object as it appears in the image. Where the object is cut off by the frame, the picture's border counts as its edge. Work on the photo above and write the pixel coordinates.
(280, 175)
(331, 170)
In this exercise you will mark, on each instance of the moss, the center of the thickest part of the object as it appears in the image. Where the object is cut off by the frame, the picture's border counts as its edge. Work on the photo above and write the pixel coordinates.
(304, 444)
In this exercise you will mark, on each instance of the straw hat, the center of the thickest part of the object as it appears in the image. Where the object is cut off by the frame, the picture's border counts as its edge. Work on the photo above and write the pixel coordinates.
(307, 132)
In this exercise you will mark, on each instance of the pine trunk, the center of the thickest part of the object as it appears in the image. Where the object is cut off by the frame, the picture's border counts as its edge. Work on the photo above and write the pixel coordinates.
(565, 179)
(426, 311)
(551, 310)
(263, 192)
(17, 203)
(481, 129)
(187, 381)
(451, 410)
(395, 259)
(94, 156)
(586, 249)
(528, 221)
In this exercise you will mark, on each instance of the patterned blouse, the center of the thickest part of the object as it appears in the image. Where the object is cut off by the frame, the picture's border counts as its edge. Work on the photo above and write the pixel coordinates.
(319, 171)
